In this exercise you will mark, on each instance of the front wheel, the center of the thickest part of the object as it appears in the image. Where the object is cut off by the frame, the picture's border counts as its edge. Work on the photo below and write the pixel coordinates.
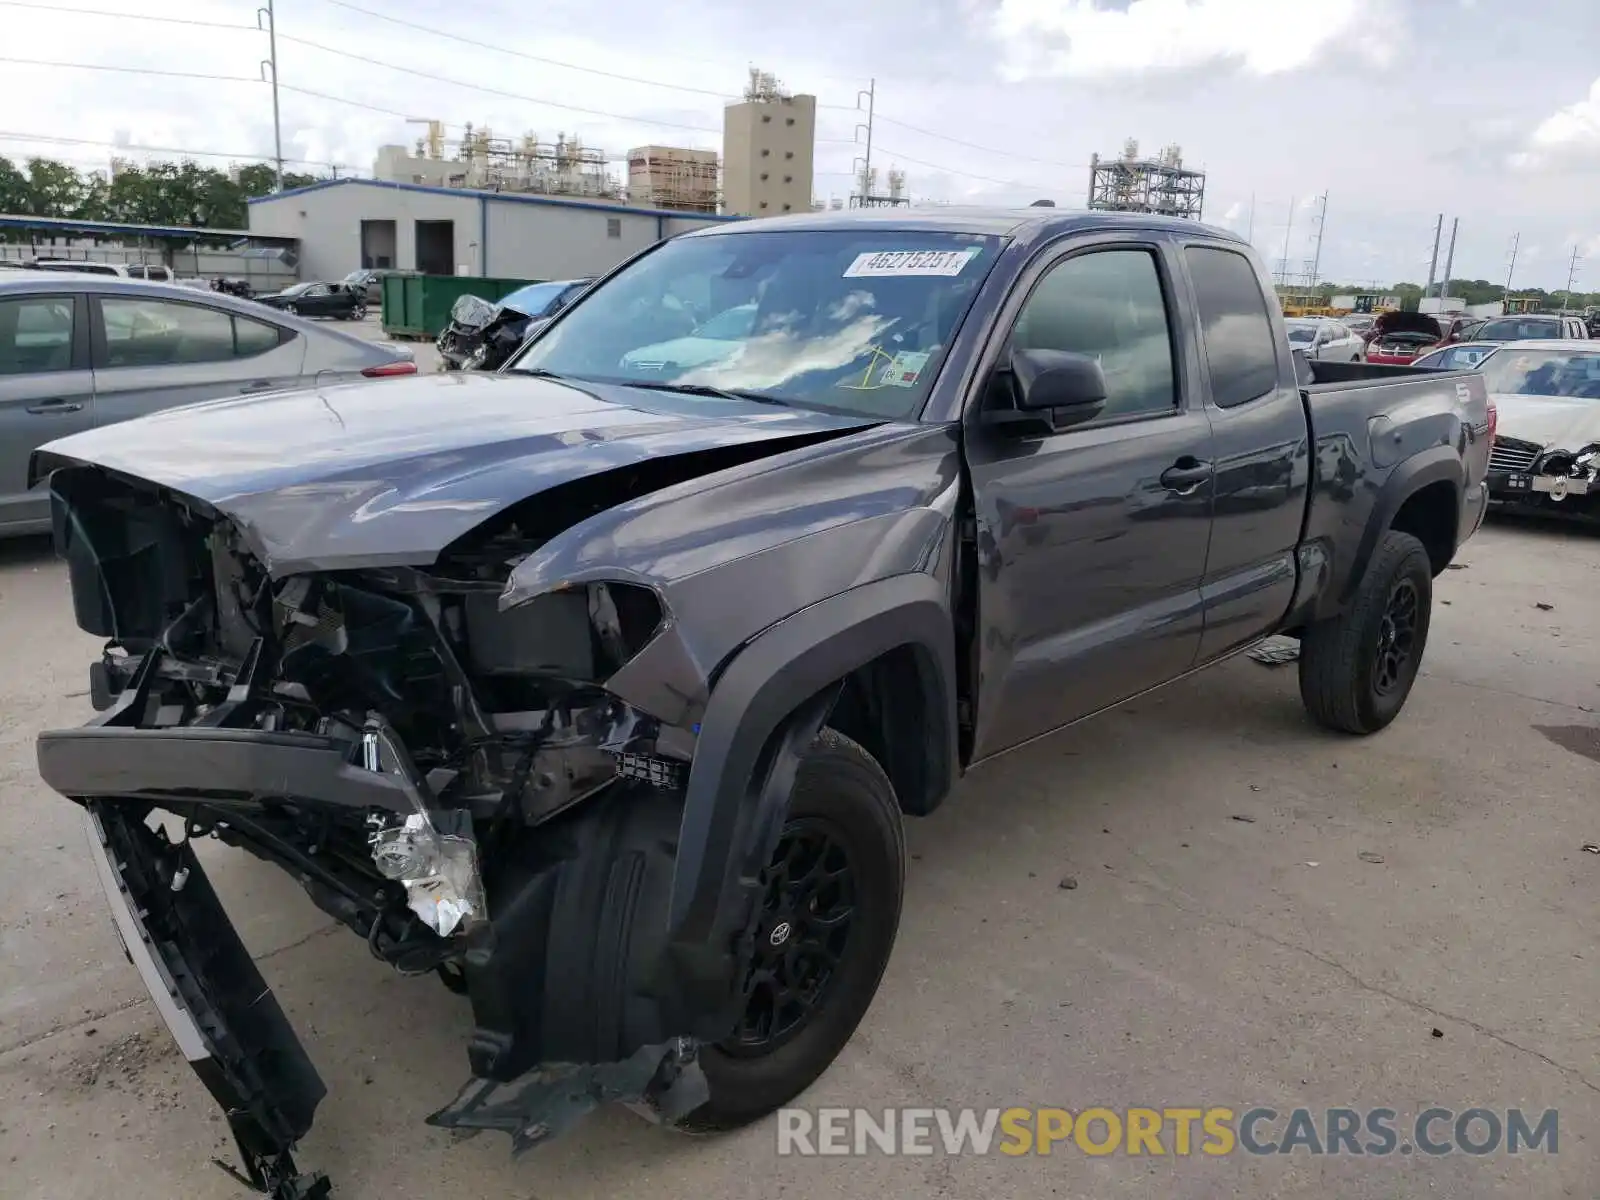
(359, 313)
(1356, 670)
(827, 926)
(292, 309)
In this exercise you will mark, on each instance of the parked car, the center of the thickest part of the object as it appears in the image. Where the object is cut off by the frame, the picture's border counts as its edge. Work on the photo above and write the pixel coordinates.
(1357, 323)
(1398, 337)
(1547, 448)
(1462, 356)
(1330, 341)
(483, 334)
(80, 352)
(1532, 327)
(370, 280)
(603, 689)
(1458, 328)
(319, 300)
(78, 266)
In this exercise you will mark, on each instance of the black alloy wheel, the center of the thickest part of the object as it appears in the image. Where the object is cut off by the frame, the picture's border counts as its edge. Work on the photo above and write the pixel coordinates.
(830, 912)
(1397, 639)
(803, 935)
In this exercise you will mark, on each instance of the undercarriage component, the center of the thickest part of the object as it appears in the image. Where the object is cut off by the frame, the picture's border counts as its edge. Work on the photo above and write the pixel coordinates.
(662, 1083)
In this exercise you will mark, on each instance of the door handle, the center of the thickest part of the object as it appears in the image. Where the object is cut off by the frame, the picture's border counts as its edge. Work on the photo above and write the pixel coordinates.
(56, 406)
(1185, 475)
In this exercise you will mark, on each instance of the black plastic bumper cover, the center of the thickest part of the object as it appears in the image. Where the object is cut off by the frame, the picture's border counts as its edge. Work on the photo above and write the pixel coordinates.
(220, 764)
(210, 995)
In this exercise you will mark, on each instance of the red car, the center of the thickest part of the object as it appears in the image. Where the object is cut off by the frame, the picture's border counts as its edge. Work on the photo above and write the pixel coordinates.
(1398, 337)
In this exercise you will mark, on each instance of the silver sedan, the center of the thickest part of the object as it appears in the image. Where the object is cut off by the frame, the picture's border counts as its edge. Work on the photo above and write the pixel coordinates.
(81, 351)
(1329, 341)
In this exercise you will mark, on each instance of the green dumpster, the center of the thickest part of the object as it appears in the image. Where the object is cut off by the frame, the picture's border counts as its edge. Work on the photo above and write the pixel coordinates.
(418, 306)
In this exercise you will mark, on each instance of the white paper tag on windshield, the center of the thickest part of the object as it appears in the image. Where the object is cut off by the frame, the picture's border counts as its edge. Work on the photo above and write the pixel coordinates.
(885, 263)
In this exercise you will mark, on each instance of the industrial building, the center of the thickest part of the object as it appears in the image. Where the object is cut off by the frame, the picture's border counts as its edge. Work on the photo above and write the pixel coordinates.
(482, 161)
(673, 178)
(1159, 185)
(343, 224)
(768, 143)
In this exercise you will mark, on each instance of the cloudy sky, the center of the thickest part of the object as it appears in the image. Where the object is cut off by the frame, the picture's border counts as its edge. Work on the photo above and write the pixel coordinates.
(1397, 109)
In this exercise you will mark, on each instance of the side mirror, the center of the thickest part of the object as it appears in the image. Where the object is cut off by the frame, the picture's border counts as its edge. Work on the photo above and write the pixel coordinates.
(1055, 389)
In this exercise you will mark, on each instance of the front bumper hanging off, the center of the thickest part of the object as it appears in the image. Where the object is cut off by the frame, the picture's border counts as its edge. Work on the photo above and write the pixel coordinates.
(211, 997)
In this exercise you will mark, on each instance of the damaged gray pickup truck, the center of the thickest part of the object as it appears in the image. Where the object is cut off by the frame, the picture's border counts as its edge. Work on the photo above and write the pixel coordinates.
(599, 686)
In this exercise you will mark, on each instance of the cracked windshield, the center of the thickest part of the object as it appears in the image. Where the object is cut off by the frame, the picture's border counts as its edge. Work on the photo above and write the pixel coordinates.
(849, 321)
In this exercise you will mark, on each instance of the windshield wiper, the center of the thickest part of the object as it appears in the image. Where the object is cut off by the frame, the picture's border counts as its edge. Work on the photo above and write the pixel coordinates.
(705, 389)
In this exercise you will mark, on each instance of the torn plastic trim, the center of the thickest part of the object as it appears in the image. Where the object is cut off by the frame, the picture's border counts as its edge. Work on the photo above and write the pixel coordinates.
(210, 995)
(663, 1083)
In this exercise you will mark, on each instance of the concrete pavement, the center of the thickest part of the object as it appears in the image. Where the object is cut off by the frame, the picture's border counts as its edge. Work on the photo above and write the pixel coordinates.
(1429, 878)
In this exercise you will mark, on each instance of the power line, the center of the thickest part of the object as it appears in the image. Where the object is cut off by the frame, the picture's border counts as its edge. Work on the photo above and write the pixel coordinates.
(1031, 187)
(1047, 162)
(8, 136)
(549, 62)
(67, 66)
(490, 91)
(100, 12)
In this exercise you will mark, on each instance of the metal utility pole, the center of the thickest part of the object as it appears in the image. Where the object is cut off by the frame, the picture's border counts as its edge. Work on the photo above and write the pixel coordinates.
(1516, 240)
(1316, 255)
(1288, 228)
(1449, 260)
(871, 93)
(1572, 273)
(1250, 233)
(1433, 263)
(271, 64)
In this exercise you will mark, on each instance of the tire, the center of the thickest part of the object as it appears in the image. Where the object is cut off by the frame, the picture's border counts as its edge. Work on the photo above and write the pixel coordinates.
(358, 313)
(842, 793)
(292, 310)
(1342, 682)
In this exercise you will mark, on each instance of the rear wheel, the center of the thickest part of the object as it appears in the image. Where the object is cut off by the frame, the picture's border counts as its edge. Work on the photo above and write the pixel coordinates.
(827, 926)
(359, 313)
(1357, 669)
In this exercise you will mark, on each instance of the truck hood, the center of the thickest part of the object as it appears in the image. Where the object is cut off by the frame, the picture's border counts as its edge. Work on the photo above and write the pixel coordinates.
(392, 472)
(1553, 422)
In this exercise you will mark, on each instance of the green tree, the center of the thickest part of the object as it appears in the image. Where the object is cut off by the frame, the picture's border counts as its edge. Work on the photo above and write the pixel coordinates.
(54, 189)
(14, 195)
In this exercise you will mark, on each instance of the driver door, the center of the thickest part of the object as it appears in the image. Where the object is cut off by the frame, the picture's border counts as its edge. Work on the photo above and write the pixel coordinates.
(1091, 541)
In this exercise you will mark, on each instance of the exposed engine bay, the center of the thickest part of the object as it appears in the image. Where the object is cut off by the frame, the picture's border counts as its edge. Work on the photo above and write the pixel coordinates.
(413, 753)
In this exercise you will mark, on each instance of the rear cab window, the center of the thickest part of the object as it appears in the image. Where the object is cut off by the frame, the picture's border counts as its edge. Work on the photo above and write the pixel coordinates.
(1235, 326)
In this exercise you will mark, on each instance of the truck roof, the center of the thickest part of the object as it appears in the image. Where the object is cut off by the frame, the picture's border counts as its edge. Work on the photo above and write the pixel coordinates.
(1003, 222)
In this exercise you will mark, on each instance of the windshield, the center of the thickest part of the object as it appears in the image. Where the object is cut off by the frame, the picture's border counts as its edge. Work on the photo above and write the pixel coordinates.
(1302, 334)
(854, 320)
(1518, 329)
(1570, 373)
(535, 298)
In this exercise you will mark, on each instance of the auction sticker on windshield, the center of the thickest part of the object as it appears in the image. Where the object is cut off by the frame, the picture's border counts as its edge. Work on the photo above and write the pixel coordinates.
(881, 263)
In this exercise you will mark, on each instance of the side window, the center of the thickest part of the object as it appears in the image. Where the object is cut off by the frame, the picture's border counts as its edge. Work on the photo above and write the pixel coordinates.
(160, 273)
(157, 333)
(1107, 304)
(253, 337)
(35, 335)
(1234, 325)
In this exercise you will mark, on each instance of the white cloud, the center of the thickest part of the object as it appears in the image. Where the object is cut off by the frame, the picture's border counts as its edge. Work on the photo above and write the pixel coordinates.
(1080, 39)
(1571, 133)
